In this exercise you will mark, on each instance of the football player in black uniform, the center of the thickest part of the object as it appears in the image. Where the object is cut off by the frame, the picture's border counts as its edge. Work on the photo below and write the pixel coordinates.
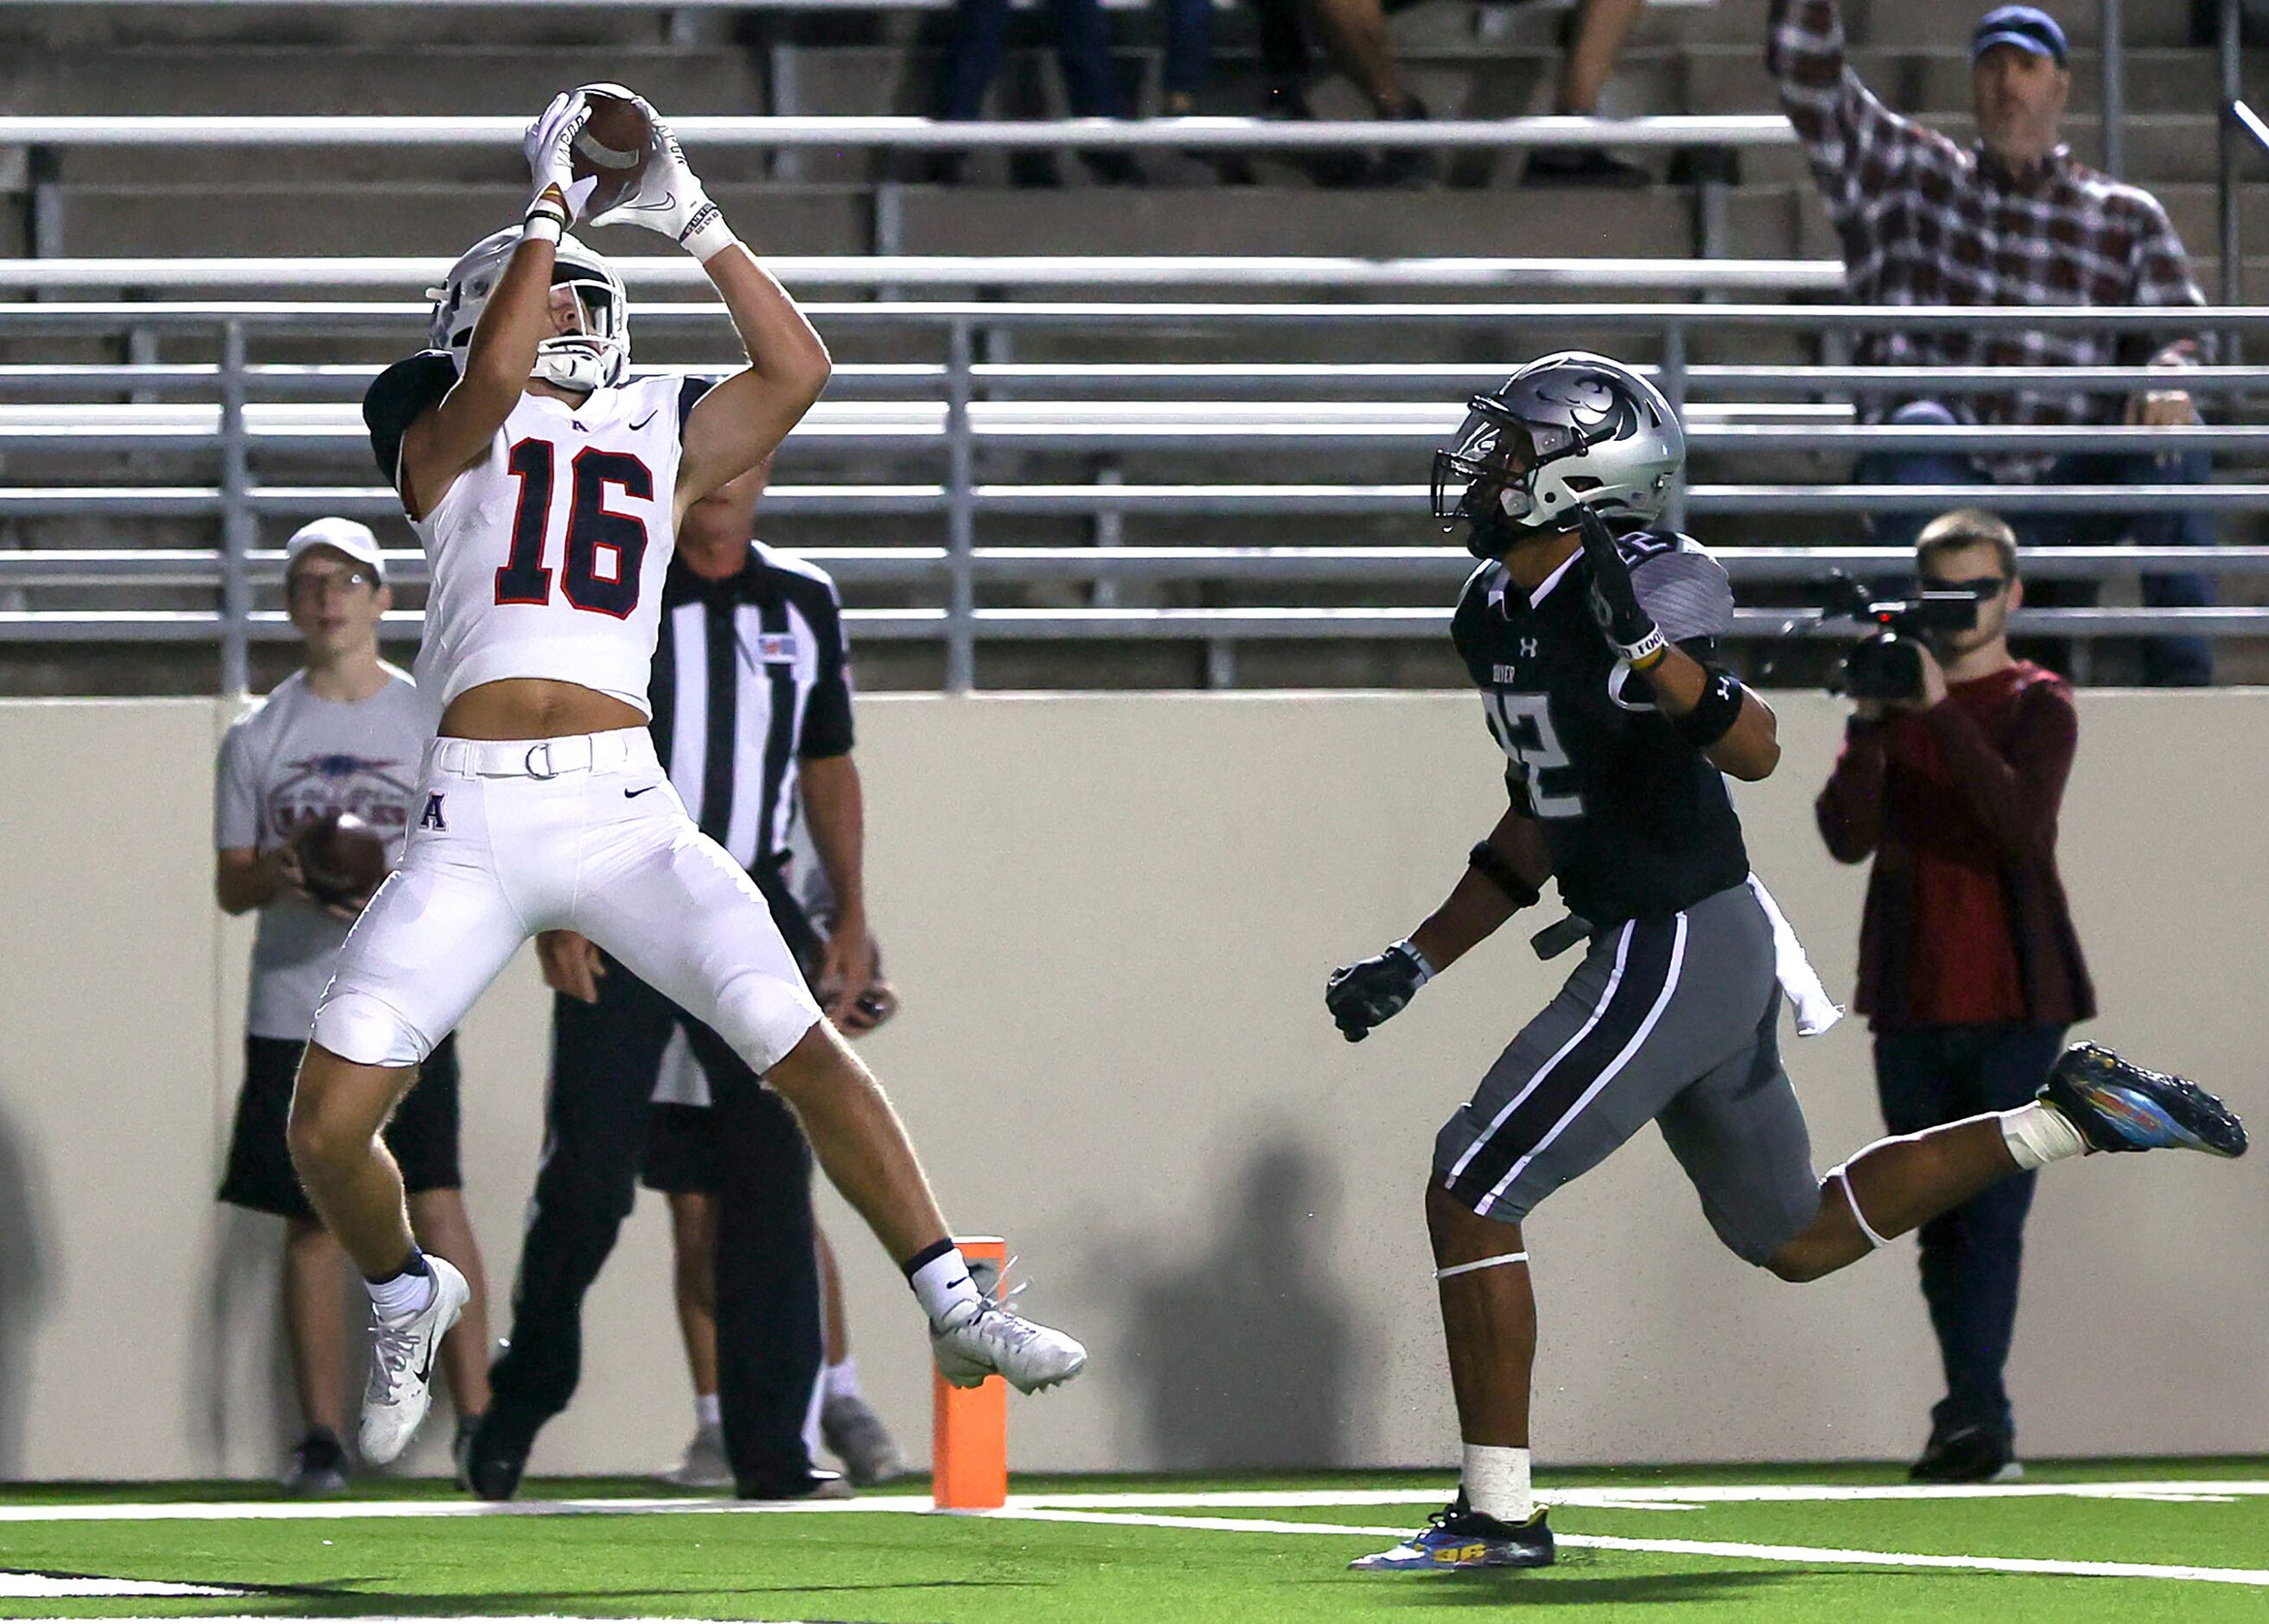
(1594, 650)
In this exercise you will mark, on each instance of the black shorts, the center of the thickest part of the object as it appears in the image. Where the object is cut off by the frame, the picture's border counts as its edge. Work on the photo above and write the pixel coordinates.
(682, 1153)
(422, 1135)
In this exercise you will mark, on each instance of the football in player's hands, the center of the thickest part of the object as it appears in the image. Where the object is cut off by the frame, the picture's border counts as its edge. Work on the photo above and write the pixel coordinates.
(341, 859)
(615, 144)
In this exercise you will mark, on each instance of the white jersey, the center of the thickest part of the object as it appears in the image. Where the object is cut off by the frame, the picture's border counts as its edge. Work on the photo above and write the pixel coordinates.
(547, 556)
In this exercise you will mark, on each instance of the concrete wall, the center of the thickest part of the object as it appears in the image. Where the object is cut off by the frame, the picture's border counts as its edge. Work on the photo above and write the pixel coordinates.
(1112, 919)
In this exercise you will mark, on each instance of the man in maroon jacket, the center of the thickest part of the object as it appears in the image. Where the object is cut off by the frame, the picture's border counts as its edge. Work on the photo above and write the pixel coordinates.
(1970, 971)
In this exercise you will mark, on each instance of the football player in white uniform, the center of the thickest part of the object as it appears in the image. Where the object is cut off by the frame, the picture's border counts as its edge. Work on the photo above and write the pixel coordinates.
(547, 489)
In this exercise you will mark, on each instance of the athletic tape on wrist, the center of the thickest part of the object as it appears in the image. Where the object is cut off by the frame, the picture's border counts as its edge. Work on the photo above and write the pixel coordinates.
(1425, 970)
(543, 225)
(1457, 1269)
(706, 235)
(1643, 654)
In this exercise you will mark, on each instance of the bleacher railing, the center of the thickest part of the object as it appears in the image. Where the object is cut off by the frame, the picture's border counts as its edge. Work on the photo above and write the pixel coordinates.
(947, 412)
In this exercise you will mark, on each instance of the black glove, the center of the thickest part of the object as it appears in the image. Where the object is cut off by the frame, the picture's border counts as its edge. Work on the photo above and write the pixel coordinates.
(1361, 995)
(1614, 600)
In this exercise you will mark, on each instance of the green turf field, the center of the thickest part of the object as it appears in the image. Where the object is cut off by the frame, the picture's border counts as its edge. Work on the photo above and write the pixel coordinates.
(2131, 1540)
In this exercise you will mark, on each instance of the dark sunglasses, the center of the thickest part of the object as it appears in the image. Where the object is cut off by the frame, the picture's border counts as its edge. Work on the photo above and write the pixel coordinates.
(1979, 586)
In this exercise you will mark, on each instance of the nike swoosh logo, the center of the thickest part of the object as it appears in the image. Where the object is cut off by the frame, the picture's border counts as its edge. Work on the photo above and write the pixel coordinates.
(633, 794)
(426, 1376)
(642, 422)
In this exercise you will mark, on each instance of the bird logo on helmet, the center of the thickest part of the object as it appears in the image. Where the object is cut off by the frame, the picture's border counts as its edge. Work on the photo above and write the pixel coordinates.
(1573, 430)
(595, 357)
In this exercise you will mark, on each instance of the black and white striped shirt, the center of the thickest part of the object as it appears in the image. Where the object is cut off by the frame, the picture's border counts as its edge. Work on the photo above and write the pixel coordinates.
(751, 678)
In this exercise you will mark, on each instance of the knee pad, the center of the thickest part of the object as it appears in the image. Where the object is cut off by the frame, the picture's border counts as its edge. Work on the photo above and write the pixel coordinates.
(368, 1031)
(764, 1017)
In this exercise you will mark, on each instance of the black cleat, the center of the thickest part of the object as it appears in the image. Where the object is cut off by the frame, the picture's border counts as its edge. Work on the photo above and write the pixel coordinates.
(493, 1454)
(1967, 1455)
(2117, 1105)
(318, 1466)
(815, 1484)
(1457, 1538)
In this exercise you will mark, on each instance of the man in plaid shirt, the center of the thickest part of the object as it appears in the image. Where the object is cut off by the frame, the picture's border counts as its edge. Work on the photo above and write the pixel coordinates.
(2012, 221)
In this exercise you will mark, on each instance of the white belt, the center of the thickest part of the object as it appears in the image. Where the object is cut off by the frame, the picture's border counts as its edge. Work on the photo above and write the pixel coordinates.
(540, 758)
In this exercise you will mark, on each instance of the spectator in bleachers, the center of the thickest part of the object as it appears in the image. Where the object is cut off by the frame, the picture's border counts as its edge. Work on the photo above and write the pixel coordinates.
(1091, 86)
(1354, 38)
(2012, 220)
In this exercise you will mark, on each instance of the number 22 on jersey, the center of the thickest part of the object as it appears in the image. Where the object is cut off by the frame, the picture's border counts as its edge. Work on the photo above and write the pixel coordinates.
(603, 550)
(1523, 726)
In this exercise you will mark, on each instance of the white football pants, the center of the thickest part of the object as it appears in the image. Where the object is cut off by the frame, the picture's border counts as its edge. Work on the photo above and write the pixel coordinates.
(508, 838)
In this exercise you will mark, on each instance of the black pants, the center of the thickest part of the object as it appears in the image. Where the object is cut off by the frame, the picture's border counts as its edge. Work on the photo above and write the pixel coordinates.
(604, 1059)
(1970, 1256)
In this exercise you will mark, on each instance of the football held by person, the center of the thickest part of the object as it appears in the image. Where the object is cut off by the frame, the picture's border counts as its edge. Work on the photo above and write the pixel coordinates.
(546, 487)
(1591, 640)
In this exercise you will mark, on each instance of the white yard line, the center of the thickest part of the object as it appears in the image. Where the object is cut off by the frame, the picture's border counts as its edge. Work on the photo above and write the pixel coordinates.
(1667, 1497)
(1689, 1547)
(49, 1587)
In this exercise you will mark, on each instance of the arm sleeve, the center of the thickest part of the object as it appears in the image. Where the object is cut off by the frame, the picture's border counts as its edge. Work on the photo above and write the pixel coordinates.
(2017, 795)
(1849, 810)
(397, 397)
(1858, 148)
(827, 719)
(1686, 592)
(236, 799)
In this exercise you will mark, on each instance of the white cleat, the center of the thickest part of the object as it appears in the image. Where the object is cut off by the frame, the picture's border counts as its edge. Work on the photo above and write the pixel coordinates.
(986, 1337)
(705, 1465)
(401, 1355)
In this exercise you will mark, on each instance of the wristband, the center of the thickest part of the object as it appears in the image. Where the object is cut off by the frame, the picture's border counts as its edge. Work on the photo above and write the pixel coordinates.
(1714, 714)
(1647, 652)
(706, 235)
(544, 223)
(1483, 859)
(1418, 959)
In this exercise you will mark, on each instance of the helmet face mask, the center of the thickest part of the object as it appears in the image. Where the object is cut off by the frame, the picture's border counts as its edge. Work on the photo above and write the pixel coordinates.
(1570, 429)
(596, 355)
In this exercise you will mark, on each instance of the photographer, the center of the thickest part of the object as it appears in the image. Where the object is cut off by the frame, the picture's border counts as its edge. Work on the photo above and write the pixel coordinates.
(1970, 971)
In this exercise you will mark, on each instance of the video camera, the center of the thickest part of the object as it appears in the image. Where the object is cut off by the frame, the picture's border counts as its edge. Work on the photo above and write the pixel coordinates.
(1888, 665)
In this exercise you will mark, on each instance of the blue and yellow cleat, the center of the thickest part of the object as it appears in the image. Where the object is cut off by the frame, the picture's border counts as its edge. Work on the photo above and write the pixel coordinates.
(1456, 1538)
(2119, 1106)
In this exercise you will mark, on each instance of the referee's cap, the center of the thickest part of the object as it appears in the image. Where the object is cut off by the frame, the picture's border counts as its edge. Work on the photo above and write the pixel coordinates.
(340, 535)
(2027, 27)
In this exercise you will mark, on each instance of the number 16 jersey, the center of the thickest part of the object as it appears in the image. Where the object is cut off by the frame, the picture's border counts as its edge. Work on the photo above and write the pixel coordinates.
(1637, 820)
(546, 556)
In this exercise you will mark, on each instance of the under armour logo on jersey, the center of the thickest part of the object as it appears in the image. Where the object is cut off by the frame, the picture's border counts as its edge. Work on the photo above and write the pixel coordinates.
(432, 818)
(1528, 648)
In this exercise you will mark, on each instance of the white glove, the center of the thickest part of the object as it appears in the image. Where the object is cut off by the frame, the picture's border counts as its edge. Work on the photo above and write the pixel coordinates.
(669, 198)
(550, 145)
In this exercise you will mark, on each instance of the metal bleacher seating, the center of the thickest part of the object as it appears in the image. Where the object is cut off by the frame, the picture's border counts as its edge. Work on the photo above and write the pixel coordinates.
(1197, 444)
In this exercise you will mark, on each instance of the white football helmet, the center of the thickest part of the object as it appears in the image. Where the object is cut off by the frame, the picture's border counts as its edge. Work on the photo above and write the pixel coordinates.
(1568, 431)
(593, 358)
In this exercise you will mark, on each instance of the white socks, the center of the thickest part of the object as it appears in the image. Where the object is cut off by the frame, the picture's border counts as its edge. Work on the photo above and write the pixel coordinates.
(1496, 1483)
(841, 1381)
(708, 1414)
(407, 1293)
(2039, 1133)
(941, 1281)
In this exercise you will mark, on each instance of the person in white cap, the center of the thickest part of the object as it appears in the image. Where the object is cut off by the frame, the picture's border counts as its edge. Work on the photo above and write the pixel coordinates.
(341, 735)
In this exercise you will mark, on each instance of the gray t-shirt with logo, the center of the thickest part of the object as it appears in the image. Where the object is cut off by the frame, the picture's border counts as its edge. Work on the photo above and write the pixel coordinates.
(289, 758)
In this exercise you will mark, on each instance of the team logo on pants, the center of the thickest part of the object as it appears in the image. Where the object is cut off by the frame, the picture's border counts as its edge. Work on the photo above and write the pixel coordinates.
(432, 818)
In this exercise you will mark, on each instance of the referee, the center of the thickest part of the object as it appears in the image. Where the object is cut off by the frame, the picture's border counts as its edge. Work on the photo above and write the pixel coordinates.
(751, 699)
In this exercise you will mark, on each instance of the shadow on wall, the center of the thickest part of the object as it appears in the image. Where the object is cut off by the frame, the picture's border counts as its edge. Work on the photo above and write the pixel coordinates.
(1247, 1357)
(241, 1365)
(27, 1282)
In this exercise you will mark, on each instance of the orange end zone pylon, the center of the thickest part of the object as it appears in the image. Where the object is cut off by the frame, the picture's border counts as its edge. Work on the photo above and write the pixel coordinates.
(969, 1430)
